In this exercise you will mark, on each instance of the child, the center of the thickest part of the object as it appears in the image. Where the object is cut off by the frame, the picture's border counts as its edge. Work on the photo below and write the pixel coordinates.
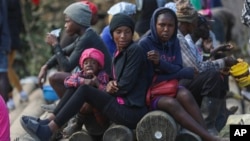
(91, 63)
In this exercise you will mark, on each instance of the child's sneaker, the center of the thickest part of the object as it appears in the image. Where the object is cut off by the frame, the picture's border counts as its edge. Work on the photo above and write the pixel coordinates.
(156, 126)
(24, 97)
(10, 104)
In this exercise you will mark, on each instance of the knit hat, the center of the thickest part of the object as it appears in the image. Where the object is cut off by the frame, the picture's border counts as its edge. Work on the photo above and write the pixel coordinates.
(79, 13)
(122, 7)
(92, 6)
(121, 20)
(185, 11)
(94, 54)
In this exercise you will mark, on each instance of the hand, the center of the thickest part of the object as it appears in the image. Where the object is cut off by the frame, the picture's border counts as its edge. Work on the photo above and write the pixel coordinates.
(226, 47)
(154, 56)
(112, 87)
(91, 80)
(42, 75)
(51, 39)
(230, 61)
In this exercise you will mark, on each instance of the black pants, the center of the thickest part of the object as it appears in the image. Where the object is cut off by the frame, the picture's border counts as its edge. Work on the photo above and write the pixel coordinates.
(73, 100)
(209, 83)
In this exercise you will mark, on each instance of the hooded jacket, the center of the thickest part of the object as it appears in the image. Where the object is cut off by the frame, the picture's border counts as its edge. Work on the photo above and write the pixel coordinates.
(170, 66)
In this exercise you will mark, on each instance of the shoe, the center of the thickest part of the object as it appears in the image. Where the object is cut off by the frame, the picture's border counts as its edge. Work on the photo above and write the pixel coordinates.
(49, 107)
(25, 120)
(24, 97)
(11, 105)
(156, 126)
(186, 135)
(118, 132)
(33, 127)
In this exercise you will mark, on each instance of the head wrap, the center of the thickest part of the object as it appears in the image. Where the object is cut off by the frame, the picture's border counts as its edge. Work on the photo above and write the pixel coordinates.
(171, 5)
(121, 20)
(94, 54)
(122, 7)
(79, 13)
(185, 11)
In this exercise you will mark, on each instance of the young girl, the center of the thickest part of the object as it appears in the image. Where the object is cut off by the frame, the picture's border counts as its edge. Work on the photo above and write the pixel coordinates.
(123, 101)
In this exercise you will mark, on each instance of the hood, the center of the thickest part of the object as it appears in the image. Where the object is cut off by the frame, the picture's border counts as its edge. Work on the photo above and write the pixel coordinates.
(153, 34)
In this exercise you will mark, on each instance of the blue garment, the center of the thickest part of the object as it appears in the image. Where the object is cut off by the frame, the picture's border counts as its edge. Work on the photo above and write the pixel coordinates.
(170, 53)
(108, 40)
(4, 28)
(4, 37)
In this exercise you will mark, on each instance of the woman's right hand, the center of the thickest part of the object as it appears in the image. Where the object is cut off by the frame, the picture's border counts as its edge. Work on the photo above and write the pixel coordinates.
(112, 87)
(51, 39)
(42, 75)
(154, 56)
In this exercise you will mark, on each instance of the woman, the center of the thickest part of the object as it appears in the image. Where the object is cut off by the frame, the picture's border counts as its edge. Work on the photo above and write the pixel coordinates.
(123, 102)
(164, 58)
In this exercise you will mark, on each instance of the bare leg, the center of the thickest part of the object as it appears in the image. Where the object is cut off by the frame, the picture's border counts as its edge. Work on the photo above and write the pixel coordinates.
(57, 82)
(174, 108)
(185, 98)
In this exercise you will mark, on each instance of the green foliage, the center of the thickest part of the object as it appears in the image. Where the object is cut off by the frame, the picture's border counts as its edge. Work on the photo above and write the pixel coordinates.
(38, 20)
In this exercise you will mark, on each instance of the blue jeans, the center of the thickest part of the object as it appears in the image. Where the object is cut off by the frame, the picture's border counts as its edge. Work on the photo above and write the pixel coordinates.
(3, 62)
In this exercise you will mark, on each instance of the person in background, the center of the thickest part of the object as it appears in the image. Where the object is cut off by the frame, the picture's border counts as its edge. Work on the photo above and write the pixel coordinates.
(56, 80)
(120, 7)
(77, 21)
(4, 121)
(15, 26)
(65, 39)
(145, 10)
(208, 86)
(5, 40)
(123, 100)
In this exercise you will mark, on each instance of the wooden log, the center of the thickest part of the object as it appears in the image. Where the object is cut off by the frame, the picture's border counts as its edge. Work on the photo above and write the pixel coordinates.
(118, 133)
(156, 126)
(186, 135)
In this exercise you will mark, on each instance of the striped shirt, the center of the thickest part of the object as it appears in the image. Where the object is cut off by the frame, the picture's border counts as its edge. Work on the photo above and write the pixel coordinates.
(190, 60)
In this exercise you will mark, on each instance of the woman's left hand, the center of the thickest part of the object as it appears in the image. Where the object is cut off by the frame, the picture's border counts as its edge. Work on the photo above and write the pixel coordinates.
(154, 56)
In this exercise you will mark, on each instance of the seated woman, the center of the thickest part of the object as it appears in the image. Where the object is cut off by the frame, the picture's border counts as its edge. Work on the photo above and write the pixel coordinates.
(123, 101)
(163, 52)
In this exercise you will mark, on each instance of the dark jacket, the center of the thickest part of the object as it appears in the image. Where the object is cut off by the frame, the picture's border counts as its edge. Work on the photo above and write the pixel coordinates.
(170, 53)
(68, 57)
(4, 28)
(129, 71)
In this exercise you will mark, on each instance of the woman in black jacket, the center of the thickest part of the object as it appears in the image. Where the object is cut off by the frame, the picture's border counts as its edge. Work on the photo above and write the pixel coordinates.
(123, 101)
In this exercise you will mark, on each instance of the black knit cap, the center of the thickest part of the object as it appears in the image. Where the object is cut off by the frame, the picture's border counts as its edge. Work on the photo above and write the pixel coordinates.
(119, 20)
